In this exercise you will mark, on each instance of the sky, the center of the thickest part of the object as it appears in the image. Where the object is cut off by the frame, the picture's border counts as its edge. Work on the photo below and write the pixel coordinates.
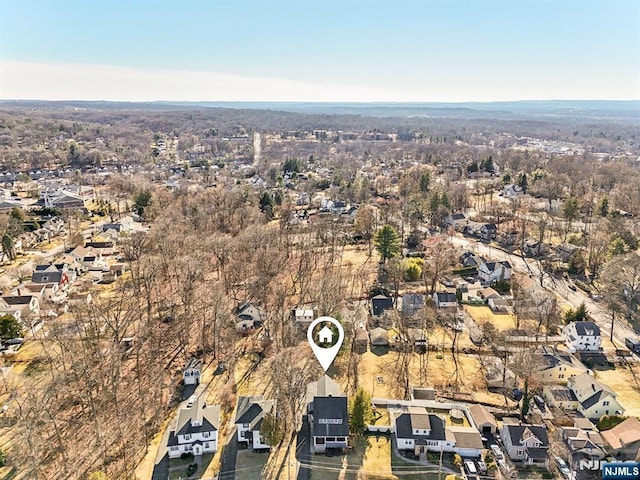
(333, 51)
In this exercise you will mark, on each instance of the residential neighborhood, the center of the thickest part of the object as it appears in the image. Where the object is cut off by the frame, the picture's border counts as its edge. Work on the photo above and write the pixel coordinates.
(155, 305)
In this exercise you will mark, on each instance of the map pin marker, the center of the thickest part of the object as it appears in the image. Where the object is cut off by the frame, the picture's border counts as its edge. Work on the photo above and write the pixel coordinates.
(325, 335)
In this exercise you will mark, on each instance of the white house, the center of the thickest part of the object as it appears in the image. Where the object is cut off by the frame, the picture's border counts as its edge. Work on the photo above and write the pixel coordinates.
(445, 300)
(526, 443)
(191, 372)
(595, 398)
(582, 337)
(420, 430)
(250, 412)
(492, 272)
(196, 430)
(556, 366)
(303, 317)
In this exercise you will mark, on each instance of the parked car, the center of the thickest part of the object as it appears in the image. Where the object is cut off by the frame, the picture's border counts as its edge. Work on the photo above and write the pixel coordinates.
(539, 401)
(482, 467)
(470, 467)
(497, 452)
(563, 467)
(192, 400)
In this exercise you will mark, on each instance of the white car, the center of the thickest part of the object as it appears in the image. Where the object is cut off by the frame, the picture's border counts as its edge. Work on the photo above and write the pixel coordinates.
(497, 452)
(563, 467)
(192, 399)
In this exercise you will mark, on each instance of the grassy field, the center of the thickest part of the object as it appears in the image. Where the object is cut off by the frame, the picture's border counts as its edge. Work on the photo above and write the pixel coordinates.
(482, 314)
(621, 380)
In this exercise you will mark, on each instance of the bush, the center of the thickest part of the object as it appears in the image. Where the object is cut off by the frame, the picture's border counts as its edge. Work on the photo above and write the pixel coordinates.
(186, 455)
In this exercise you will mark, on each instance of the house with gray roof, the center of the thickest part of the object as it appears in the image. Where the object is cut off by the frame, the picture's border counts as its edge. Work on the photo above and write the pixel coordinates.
(329, 423)
(594, 398)
(250, 413)
(419, 430)
(196, 430)
(582, 336)
(526, 443)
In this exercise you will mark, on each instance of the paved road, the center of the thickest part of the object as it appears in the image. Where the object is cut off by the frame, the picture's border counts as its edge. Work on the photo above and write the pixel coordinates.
(558, 286)
(303, 450)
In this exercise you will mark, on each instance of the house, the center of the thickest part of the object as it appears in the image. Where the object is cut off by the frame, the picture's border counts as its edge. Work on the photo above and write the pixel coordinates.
(565, 250)
(324, 387)
(196, 430)
(361, 340)
(191, 372)
(496, 374)
(492, 272)
(88, 258)
(379, 304)
(483, 419)
(379, 337)
(63, 199)
(470, 259)
(623, 440)
(456, 220)
(329, 423)
(27, 305)
(419, 429)
(499, 304)
(526, 443)
(325, 335)
(511, 190)
(595, 398)
(419, 339)
(445, 300)
(250, 412)
(560, 397)
(412, 303)
(302, 317)
(582, 337)
(52, 274)
(556, 366)
(248, 316)
(583, 442)
(488, 231)
(533, 247)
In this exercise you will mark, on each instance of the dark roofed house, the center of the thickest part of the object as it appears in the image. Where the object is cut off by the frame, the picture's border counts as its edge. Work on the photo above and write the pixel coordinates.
(379, 304)
(526, 443)
(250, 413)
(50, 274)
(330, 423)
(196, 430)
(445, 300)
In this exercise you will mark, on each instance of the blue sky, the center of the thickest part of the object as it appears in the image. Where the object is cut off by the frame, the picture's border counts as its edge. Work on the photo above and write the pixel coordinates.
(446, 50)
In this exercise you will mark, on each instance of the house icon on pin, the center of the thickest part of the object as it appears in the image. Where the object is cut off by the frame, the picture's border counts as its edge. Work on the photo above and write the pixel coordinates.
(325, 335)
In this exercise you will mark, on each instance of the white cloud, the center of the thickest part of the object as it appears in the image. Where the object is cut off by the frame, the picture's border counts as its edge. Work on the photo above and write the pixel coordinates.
(444, 83)
(23, 80)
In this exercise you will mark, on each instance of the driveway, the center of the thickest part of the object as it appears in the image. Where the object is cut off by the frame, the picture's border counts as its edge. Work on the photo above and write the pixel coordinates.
(303, 450)
(161, 469)
(228, 467)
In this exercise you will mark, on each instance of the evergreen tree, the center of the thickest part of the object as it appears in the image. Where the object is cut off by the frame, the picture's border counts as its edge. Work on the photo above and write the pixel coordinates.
(271, 429)
(360, 412)
(10, 327)
(266, 204)
(387, 242)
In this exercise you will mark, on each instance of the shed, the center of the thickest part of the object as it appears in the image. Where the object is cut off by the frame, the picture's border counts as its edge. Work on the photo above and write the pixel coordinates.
(379, 337)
